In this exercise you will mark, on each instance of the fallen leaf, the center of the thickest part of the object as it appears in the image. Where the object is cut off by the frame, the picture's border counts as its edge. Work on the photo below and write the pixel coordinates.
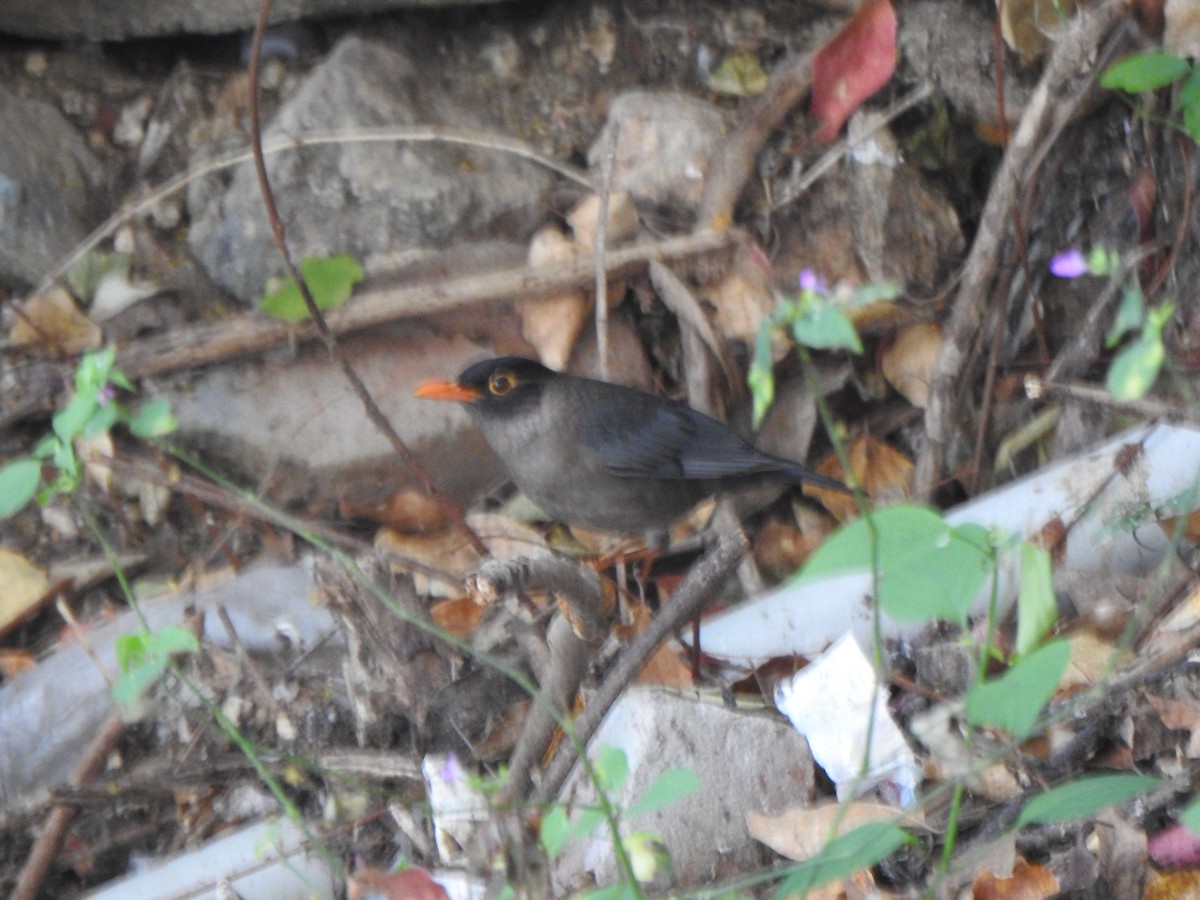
(54, 319)
(1173, 885)
(552, 324)
(407, 884)
(800, 832)
(879, 469)
(909, 361)
(22, 585)
(622, 220)
(857, 62)
(459, 616)
(744, 297)
(410, 510)
(1175, 847)
(1090, 657)
(1180, 715)
(1028, 882)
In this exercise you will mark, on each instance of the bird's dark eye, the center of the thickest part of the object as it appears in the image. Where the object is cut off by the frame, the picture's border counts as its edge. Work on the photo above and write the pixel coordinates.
(501, 383)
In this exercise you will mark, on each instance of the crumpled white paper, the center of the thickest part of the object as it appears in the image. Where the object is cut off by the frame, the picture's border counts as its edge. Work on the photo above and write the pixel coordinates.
(838, 704)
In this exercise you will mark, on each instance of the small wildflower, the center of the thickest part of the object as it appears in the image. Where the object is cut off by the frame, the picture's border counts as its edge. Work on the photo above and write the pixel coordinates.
(452, 770)
(1069, 264)
(811, 281)
(106, 395)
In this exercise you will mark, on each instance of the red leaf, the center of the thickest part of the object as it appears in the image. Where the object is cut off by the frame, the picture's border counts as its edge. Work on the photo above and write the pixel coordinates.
(856, 63)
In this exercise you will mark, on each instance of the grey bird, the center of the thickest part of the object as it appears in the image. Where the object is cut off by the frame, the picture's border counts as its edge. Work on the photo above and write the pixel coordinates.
(604, 456)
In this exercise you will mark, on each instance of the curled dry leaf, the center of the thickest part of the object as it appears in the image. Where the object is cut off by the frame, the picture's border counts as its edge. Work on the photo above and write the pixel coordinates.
(622, 220)
(1029, 25)
(800, 833)
(856, 63)
(22, 586)
(552, 324)
(53, 318)
(744, 297)
(1028, 882)
(410, 510)
(881, 470)
(1090, 657)
(909, 362)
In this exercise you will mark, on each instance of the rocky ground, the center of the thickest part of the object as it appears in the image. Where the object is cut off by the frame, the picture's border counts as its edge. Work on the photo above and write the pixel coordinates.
(461, 157)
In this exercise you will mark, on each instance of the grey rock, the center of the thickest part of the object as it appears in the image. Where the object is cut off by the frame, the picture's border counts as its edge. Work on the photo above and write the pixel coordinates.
(661, 145)
(300, 422)
(746, 762)
(52, 189)
(112, 20)
(370, 200)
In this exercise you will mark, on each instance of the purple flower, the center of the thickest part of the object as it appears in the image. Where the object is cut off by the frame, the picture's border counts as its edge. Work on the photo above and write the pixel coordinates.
(1069, 264)
(106, 395)
(451, 770)
(811, 281)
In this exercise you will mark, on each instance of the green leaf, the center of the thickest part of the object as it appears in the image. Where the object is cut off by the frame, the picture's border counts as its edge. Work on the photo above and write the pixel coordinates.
(1083, 798)
(823, 327)
(761, 378)
(1135, 368)
(739, 74)
(553, 834)
(928, 571)
(69, 421)
(103, 418)
(669, 787)
(843, 856)
(1190, 816)
(19, 482)
(154, 419)
(1145, 72)
(330, 280)
(172, 640)
(1130, 316)
(143, 657)
(612, 768)
(1037, 608)
(1014, 700)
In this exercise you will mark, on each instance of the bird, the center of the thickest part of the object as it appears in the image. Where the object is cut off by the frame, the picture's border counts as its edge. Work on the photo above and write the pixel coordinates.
(603, 456)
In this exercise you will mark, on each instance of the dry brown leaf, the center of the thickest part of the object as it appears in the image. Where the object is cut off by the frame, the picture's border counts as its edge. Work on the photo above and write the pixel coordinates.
(780, 548)
(909, 362)
(879, 469)
(22, 586)
(744, 297)
(1028, 25)
(665, 666)
(553, 324)
(622, 220)
(410, 510)
(1173, 885)
(1180, 715)
(459, 615)
(800, 832)
(54, 318)
(1181, 32)
(1090, 657)
(1028, 882)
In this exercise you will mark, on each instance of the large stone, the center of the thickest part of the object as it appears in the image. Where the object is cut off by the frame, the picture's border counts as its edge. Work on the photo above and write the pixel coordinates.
(372, 200)
(746, 762)
(114, 20)
(51, 188)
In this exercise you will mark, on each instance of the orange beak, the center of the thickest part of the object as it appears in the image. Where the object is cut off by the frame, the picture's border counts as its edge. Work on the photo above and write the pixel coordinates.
(446, 390)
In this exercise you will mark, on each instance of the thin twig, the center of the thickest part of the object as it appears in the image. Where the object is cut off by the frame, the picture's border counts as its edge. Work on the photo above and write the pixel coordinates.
(697, 591)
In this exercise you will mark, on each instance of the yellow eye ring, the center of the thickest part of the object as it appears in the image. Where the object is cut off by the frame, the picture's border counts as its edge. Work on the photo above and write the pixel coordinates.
(501, 383)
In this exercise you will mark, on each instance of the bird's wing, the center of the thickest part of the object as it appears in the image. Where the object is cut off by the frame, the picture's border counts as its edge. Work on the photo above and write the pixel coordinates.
(659, 441)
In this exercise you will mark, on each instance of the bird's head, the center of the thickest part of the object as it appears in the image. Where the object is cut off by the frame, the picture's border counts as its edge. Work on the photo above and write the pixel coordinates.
(494, 387)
